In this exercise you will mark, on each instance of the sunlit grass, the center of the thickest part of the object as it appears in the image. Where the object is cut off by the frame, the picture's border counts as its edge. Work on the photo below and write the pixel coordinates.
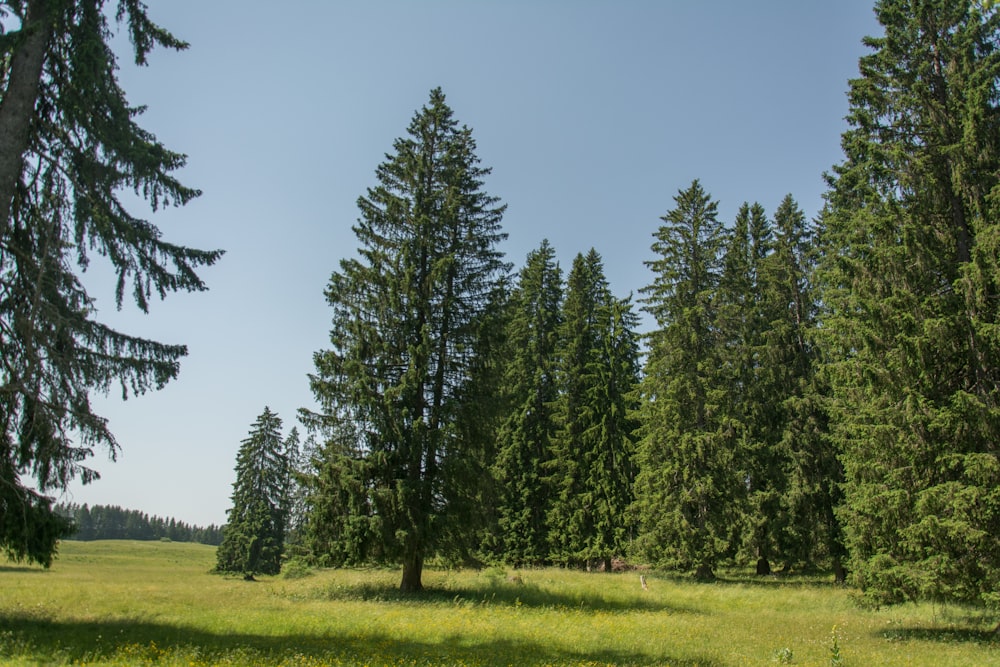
(129, 603)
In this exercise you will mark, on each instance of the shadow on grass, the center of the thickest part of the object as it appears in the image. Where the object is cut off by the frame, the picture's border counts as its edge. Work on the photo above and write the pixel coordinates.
(951, 635)
(777, 580)
(22, 569)
(70, 642)
(501, 594)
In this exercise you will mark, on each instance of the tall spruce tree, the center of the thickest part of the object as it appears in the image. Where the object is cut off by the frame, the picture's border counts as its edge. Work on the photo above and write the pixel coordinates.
(911, 291)
(254, 537)
(408, 315)
(750, 382)
(531, 389)
(613, 468)
(810, 531)
(591, 467)
(686, 480)
(69, 146)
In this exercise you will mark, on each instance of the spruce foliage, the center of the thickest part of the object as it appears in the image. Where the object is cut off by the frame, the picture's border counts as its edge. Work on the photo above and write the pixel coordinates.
(686, 481)
(528, 429)
(810, 533)
(408, 326)
(254, 536)
(340, 525)
(591, 467)
(748, 409)
(69, 147)
(910, 276)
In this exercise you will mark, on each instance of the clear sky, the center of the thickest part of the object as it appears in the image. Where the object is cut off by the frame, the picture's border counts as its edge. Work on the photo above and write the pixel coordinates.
(592, 115)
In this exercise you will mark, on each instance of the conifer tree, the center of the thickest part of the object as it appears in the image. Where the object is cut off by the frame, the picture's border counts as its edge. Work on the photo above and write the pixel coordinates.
(254, 537)
(614, 469)
(810, 533)
(531, 388)
(340, 524)
(467, 533)
(570, 517)
(591, 466)
(408, 313)
(910, 274)
(686, 479)
(299, 457)
(69, 146)
(750, 383)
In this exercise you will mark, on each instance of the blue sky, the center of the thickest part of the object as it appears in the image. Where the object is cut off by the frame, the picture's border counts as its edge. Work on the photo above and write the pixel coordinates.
(592, 115)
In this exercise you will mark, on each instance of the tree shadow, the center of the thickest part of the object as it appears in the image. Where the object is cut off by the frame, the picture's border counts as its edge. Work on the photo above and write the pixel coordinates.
(778, 580)
(503, 594)
(949, 635)
(148, 642)
(22, 569)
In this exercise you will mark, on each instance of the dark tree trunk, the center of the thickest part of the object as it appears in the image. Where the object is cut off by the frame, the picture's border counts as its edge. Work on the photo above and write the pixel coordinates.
(17, 108)
(704, 572)
(413, 566)
(839, 572)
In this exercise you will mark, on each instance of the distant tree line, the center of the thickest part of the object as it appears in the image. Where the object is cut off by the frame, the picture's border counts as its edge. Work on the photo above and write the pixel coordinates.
(110, 522)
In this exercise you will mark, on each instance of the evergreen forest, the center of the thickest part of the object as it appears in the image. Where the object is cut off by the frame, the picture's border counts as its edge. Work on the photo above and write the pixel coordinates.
(110, 522)
(817, 391)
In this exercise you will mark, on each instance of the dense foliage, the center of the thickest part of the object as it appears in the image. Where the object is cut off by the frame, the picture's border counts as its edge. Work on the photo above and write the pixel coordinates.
(911, 292)
(591, 463)
(408, 340)
(253, 540)
(69, 147)
(110, 522)
(528, 428)
(811, 395)
(687, 487)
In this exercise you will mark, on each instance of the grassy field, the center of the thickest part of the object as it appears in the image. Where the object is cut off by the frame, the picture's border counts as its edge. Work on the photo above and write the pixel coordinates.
(132, 603)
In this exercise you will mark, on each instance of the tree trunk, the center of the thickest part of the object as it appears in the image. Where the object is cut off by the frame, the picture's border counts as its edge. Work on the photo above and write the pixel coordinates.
(413, 566)
(704, 572)
(839, 572)
(17, 108)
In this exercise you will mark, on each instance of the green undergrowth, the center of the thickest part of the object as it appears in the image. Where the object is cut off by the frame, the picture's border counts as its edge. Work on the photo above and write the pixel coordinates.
(155, 603)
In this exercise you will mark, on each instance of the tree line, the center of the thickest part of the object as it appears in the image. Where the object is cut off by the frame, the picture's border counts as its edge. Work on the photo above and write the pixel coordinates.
(813, 393)
(111, 522)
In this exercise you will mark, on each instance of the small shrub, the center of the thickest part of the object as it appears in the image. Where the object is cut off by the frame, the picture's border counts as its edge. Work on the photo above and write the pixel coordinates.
(495, 574)
(783, 656)
(296, 569)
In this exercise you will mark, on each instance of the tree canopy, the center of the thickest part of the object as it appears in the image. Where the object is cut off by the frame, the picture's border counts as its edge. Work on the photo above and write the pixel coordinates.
(70, 146)
(910, 290)
(253, 540)
(408, 318)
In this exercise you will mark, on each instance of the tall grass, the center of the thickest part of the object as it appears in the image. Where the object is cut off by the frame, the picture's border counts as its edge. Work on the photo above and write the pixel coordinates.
(128, 603)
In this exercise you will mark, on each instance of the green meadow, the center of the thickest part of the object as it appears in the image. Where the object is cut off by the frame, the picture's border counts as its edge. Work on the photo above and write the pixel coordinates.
(155, 603)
